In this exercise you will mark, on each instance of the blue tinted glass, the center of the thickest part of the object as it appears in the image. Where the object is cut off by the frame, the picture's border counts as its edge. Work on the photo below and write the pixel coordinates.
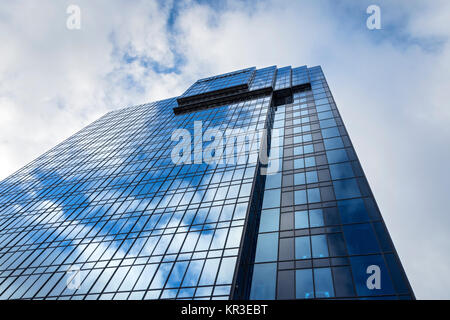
(325, 115)
(328, 123)
(313, 195)
(316, 218)
(270, 220)
(337, 245)
(193, 273)
(397, 275)
(301, 220)
(308, 148)
(209, 272)
(330, 132)
(341, 170)
(360, 239)
(271, 198)
(353, 211)
(311, 177)
(304, 284)
(299, 163)
(335, 156)
(324, 107)
(319, 246)
(323, 283)
(267, 247)
(299, 178)
(273, 181)
(310, 162)
(298, 151)
(343, 282)
(302, 248)
(344, 189)
(383, 237)
(333, 143)
(264, 281)
(177, 274)
(300, 196)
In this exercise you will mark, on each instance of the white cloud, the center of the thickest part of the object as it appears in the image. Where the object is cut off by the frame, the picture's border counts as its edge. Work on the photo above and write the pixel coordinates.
(390, 86)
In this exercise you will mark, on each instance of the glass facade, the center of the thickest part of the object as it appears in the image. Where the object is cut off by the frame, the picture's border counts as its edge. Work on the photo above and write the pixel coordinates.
(109, 214)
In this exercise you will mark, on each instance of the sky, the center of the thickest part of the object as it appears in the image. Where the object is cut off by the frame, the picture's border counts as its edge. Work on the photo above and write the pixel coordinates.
(391, 86)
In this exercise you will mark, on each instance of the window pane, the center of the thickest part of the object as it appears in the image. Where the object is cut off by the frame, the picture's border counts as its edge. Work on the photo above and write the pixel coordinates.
(271, 198)
(343, 283)
(319, 246)
(335, 156)
(316, 218)
(310, 162)
(301, 219)
(177, 274)
(299, 178)
(304, 284)
(313, 195)
(273, 181)
(263, 282)
(353, 211)
(360, 239)
(311, 177)
(333, 143)
(330, 132)
(323, 282)
(302, 248)
(209, 272)
(300, 197)
(267, 247)
(346, 189)
(226, 271)
(341, 170)
(270, 220)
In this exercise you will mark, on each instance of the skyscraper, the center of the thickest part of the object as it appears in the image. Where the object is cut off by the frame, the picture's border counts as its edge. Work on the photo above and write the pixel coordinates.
(178, 199)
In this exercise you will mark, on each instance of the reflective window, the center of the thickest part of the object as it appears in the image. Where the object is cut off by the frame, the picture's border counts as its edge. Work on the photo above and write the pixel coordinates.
(333, 143)
(264, 281)
(300, 197)
(270, 220)
(304, 284)
(311, 177)
(341, 170)
(330, 132)
(353, 210)
(319, 246)
(267, 247)
(360, 239)
(313, 195)
(323, 282)
(347, 188)
(316, 218)
(302, 248)
(272, 198)
(335, 156)
(301, 220)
